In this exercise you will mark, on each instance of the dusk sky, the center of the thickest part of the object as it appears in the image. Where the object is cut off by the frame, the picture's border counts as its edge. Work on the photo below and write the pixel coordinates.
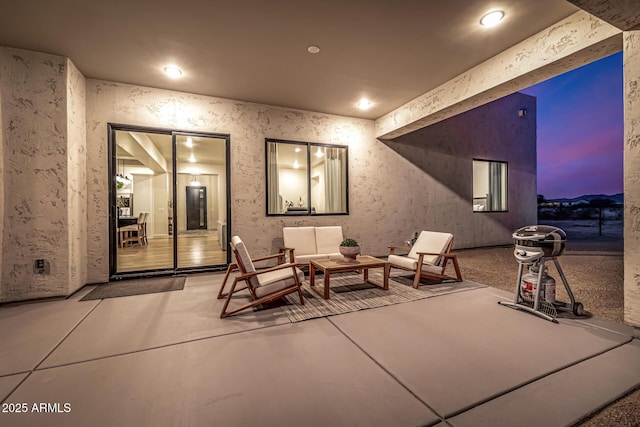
(580, 130)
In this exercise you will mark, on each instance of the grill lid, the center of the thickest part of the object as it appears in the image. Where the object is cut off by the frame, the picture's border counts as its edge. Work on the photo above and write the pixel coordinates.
(540, 233)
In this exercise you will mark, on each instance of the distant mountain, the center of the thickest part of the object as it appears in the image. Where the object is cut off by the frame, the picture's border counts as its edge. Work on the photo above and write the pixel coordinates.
(617, 199)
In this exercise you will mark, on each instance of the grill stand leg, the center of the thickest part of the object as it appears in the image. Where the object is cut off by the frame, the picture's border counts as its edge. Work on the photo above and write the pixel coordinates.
(573, 306)
(516, 304)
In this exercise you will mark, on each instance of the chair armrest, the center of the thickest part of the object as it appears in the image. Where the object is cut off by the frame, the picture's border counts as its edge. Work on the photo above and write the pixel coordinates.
(392, 249)
(432, 253)
(266, 257)
(266, 270)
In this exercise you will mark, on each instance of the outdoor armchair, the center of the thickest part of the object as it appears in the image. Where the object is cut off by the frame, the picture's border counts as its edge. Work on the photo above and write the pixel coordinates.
(427, 258)
(264, 285)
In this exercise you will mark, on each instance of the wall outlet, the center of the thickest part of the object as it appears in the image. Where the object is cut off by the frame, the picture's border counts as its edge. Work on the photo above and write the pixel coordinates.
(39, 266)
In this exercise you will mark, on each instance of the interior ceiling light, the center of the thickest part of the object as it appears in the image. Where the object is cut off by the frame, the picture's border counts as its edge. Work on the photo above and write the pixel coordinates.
(173, 71)
(364, 104)
(313, 49)
(319, 153)
(189, 142)
(192, 159)
(296, 165)
(492, 18)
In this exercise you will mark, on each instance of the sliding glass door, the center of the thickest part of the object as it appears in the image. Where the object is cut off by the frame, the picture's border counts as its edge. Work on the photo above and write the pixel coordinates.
(169, 200)
(201, 200)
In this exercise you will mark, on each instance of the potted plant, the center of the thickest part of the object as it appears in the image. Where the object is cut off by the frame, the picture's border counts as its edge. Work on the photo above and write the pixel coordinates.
(349, 248)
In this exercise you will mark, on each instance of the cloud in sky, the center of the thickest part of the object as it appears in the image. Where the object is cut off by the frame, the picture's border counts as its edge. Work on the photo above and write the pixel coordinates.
(580, 130)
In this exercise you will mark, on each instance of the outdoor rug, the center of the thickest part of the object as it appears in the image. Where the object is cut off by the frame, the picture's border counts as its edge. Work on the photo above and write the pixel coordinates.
(349, 292)
(125, 288)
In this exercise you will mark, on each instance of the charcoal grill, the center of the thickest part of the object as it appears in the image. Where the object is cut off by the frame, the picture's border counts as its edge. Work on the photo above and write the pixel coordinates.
(534, 246)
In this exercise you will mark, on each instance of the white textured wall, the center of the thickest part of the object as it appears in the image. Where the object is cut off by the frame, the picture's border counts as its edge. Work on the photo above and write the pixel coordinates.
(632, 178)
(3, 202)
(384, 208)
(35, 179)
(248, 124)
(440, 176)
(77, 176)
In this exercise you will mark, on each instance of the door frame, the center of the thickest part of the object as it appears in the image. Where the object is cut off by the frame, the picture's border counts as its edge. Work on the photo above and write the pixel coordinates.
(113, 213)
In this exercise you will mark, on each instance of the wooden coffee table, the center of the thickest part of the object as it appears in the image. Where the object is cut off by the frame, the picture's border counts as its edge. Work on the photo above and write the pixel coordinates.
(364, 263)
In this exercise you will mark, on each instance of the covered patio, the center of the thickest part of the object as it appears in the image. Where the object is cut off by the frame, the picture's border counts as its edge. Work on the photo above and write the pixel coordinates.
(457, 359)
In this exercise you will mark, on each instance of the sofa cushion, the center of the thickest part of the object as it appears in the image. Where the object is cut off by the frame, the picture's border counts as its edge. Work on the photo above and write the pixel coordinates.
(432, 242)
(328, 239)
(302, 239)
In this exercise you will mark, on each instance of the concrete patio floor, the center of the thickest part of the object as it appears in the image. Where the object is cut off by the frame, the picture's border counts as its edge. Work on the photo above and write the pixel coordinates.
(168, 359)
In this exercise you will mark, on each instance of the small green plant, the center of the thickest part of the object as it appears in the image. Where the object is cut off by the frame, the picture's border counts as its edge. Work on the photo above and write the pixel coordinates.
(349, 242)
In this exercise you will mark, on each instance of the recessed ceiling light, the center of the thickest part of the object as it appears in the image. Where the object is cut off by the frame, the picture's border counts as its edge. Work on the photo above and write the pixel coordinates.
(492, 18)
(173, 71)
(313, 49)
(189, 142)
(364, 104)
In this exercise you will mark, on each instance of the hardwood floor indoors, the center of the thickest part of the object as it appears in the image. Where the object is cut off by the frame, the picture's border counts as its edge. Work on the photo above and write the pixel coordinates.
(195, 249)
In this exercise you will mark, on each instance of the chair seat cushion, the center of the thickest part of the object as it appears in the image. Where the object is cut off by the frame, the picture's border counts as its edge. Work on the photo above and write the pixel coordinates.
(276, 275)
(412, 264)
(273, 281)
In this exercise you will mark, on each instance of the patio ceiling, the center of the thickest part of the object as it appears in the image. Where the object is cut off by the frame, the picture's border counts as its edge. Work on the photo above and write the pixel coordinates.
(252, 50)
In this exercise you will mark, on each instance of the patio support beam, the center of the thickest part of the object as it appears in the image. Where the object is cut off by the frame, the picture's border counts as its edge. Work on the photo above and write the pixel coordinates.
(577, 40)
(632, 178)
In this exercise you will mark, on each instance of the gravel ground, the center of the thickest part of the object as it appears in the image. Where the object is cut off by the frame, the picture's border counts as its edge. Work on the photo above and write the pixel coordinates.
(593, 266)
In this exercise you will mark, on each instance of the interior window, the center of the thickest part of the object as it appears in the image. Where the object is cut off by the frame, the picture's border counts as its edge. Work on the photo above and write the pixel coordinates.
(489, 186)
(306, 178)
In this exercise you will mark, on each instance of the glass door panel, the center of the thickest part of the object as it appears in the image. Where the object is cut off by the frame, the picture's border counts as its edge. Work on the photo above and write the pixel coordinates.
(143, 190)
(201, 200)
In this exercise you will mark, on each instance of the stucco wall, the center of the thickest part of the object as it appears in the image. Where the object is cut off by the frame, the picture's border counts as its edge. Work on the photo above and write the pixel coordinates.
(632, 178)
(440, 176)
(383, 208)
(248, 124)
(34, 121)
(77, 176)
(2, 157)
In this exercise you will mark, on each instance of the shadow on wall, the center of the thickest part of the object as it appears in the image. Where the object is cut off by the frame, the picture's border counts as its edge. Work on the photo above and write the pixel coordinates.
(496, 131)
(436, 160)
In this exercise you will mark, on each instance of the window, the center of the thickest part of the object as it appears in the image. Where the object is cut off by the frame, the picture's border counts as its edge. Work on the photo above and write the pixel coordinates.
(305, 178)
(489, 186)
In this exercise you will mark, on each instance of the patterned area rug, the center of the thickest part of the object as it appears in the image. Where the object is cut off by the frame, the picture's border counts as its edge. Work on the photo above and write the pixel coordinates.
(349, 292)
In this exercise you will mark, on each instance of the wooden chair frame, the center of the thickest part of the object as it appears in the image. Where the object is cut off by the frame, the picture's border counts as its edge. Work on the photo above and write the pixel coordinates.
(245, 277)
(234, 267)
(419, 273)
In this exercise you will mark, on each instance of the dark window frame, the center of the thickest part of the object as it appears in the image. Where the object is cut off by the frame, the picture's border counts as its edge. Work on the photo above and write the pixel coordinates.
(309, 152)
(486, 203)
